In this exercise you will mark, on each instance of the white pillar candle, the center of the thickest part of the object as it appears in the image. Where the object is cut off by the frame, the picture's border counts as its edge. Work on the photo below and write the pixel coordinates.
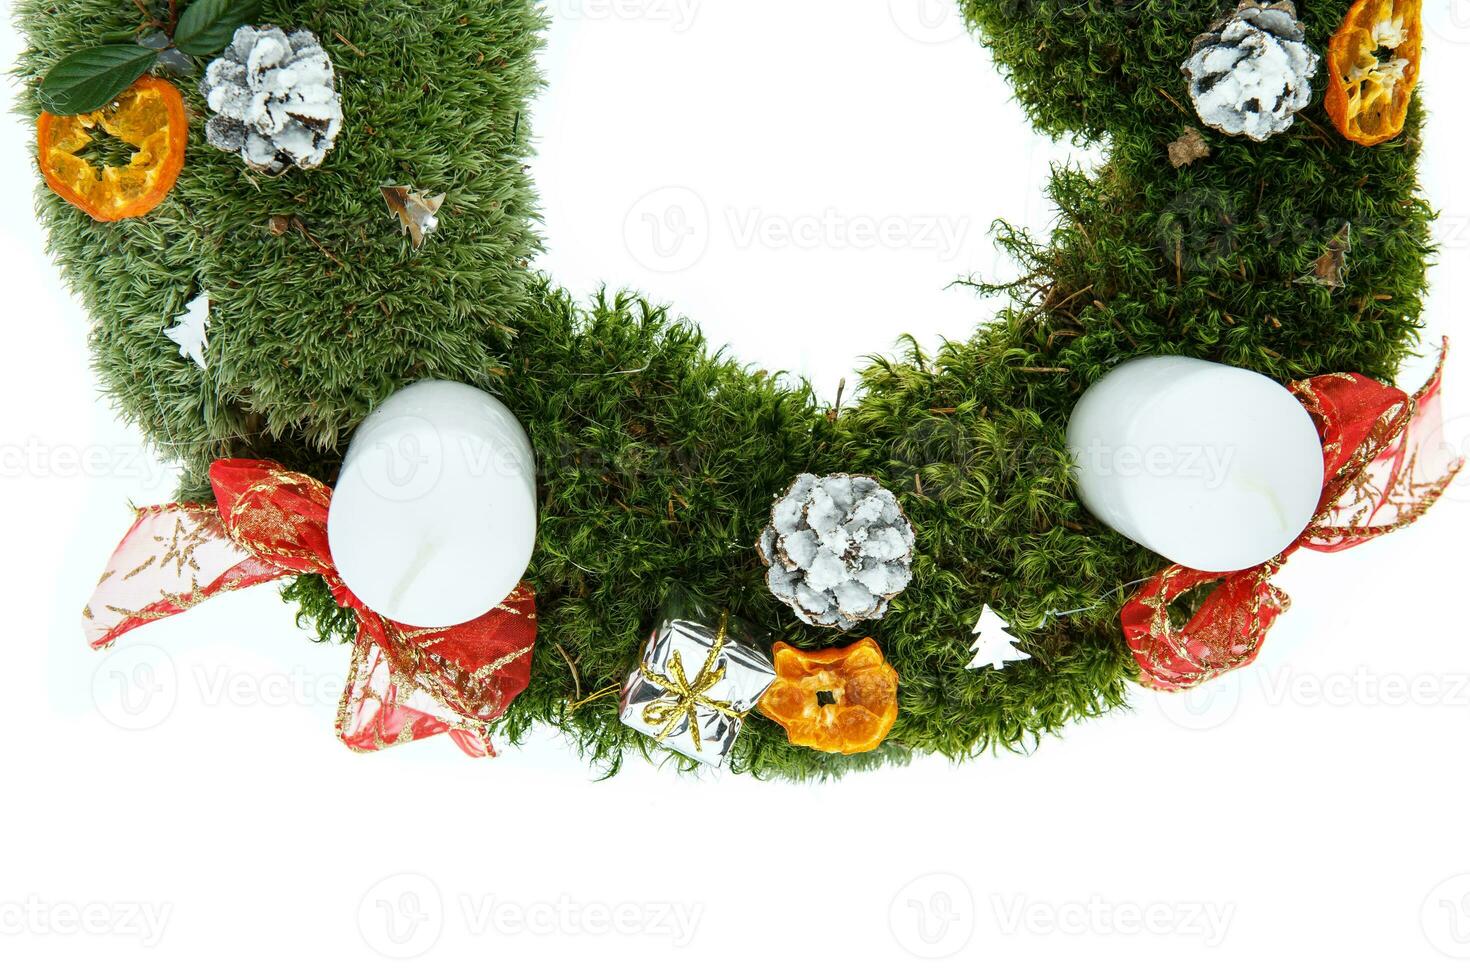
(434, 515)
(1213, 467)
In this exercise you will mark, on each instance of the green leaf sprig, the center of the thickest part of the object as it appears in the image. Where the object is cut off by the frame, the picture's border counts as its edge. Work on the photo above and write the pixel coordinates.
(207, 25)
(87, 80)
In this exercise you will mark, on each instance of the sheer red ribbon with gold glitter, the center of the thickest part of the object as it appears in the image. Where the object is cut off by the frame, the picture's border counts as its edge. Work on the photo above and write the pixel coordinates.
(1385, 466)
(405, 683)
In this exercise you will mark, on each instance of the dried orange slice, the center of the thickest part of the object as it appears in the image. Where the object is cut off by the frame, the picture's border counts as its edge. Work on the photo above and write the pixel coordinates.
(1372, 68)
(839, 700)
(149, 117)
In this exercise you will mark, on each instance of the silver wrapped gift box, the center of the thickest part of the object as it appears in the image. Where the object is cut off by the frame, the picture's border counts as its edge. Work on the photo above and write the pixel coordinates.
(699, 675)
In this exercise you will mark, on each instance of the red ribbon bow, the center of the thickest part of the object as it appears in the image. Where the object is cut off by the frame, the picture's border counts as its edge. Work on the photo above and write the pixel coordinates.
(1382, 473)
(405, 683)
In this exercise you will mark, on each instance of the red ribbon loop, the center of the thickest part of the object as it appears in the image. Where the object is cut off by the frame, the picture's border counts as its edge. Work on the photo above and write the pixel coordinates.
(405, 683)
(1384, 469)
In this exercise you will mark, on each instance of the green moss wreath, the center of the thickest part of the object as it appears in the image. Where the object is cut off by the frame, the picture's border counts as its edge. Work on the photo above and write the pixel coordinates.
(662, 477)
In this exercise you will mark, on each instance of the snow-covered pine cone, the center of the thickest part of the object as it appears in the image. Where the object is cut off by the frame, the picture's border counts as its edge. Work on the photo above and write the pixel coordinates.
(838, 547)
(1251, 73)
(275, 99)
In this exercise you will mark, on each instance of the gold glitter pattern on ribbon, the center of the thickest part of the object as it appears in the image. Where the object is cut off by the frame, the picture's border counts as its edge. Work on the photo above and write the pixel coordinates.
(403, 683)
(1384, 470)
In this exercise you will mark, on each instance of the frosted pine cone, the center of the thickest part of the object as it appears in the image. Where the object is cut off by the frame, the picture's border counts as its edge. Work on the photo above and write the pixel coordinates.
(275, 99)
(1251, 73)
(838, 547)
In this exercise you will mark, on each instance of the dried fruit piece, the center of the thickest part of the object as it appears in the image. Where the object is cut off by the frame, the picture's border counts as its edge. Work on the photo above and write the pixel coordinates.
(149, 116)
(1372, 68)
(840, 700)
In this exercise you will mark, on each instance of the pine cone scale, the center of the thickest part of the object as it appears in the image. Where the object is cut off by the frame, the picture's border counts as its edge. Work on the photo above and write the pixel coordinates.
(838, 549)
(275, 100)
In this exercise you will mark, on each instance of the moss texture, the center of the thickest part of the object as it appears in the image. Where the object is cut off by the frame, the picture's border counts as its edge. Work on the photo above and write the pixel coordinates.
(658, 458)
(313, 326)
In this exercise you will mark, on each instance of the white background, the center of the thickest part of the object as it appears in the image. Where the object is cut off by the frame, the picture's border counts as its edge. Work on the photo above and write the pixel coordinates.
(182, 808)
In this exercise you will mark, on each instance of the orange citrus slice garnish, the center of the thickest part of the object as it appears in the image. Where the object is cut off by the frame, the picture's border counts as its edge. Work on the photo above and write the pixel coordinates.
(1372, 67)
(149, 117)
(839, 700)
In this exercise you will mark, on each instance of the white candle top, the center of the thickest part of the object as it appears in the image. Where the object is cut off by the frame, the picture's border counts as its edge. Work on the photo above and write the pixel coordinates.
(433, 518)
(1213, 467)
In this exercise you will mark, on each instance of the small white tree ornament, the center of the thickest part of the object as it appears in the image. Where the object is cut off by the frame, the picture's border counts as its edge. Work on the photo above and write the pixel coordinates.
(994, 644)
(188, 330)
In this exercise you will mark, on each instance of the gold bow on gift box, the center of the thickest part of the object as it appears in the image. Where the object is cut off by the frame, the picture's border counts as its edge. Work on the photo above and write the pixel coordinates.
(688, 696)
